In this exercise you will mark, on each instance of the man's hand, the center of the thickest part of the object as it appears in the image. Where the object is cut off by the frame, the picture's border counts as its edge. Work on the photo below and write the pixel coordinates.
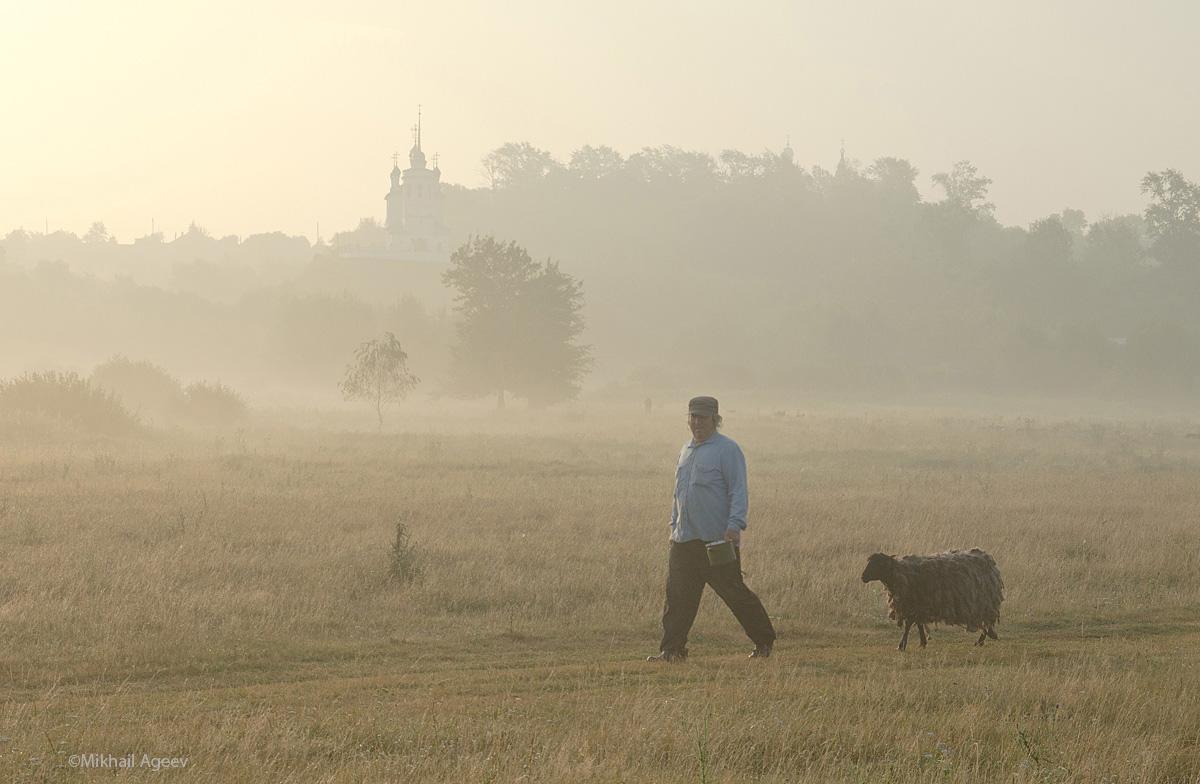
(733, 535)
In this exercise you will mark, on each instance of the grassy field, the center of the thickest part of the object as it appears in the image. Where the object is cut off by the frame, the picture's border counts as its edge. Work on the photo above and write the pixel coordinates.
(227, 599)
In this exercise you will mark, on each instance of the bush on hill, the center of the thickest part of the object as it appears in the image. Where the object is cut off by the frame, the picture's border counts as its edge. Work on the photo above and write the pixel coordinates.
(215, 404)
(67, 398)
(148, 389)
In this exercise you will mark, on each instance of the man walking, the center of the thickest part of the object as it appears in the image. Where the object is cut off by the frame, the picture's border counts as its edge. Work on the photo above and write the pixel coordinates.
(711, 500)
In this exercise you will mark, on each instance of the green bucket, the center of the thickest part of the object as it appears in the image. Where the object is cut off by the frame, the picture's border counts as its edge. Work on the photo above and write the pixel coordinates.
(721, 553)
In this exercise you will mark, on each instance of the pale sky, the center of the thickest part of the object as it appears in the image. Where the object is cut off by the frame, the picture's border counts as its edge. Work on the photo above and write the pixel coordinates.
(257, 116)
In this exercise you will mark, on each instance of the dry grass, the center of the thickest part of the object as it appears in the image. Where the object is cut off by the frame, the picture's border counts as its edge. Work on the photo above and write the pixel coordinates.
(228, 600)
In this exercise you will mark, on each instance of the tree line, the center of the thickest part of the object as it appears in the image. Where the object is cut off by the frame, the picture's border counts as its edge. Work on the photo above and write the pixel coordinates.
(800, 278)
(515, 331)
(751, 271)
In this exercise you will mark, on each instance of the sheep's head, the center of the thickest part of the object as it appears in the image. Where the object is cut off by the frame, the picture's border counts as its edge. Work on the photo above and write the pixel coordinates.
(879, 567)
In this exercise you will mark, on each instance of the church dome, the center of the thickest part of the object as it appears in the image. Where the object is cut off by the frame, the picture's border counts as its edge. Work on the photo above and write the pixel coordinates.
(416, 157)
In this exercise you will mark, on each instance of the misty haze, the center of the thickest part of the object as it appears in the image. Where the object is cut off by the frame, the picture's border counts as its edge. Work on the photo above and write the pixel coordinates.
(346, 357)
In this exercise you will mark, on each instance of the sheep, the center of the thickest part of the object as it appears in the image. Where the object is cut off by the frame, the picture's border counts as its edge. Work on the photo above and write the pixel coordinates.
(954, 588)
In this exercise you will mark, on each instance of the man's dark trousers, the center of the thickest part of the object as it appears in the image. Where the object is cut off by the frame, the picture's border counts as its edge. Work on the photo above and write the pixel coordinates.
(689, 571)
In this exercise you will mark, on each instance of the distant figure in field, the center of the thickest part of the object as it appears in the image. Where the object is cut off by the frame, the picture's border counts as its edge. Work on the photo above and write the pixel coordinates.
(711, 500)
(649, 405)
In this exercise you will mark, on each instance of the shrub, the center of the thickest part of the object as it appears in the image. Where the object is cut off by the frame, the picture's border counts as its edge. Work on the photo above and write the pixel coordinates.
(66, 397)
(143, 387)
(405, 559)
(214, 404)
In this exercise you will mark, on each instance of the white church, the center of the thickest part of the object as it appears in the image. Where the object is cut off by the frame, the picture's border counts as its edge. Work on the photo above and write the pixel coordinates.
(415, 224)
(416, 210)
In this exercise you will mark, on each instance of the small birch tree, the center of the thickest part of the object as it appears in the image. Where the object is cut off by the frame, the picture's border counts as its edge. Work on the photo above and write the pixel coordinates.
(379, 374)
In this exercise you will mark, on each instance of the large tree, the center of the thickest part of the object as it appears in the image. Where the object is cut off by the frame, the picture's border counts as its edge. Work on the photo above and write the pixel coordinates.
(1048, 242)
(596, 162)
(1173, 217)
(97, 233)
(519, 325)
(516, 165)
(669, 164)
(965, 190)
(896, 182)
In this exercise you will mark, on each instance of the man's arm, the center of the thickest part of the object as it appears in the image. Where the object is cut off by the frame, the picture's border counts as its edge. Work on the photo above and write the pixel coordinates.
(675, 499)
(733, 465)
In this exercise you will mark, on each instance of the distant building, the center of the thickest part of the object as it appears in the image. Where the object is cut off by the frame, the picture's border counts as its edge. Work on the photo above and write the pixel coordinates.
(415, 226)
(416, 209)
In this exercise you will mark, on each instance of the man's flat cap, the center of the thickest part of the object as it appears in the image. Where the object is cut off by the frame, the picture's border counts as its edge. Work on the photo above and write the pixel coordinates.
(704, 406)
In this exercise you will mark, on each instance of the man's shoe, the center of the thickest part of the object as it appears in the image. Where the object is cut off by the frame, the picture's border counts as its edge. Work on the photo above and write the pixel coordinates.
(761, 651)
(669, 656)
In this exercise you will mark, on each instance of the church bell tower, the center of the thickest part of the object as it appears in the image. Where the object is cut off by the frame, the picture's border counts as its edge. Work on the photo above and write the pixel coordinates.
(416, 210)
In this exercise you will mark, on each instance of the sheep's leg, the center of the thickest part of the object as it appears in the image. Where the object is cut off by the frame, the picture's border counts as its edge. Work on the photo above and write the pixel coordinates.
(992, 633)
(904, 639)
(921, 631)
(982, 637)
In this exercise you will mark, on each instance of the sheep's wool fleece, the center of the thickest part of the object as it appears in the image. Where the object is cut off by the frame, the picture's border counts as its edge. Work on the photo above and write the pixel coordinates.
(954, 588)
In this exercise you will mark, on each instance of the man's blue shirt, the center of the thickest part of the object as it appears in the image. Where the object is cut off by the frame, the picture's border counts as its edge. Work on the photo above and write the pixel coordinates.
(710, 490)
